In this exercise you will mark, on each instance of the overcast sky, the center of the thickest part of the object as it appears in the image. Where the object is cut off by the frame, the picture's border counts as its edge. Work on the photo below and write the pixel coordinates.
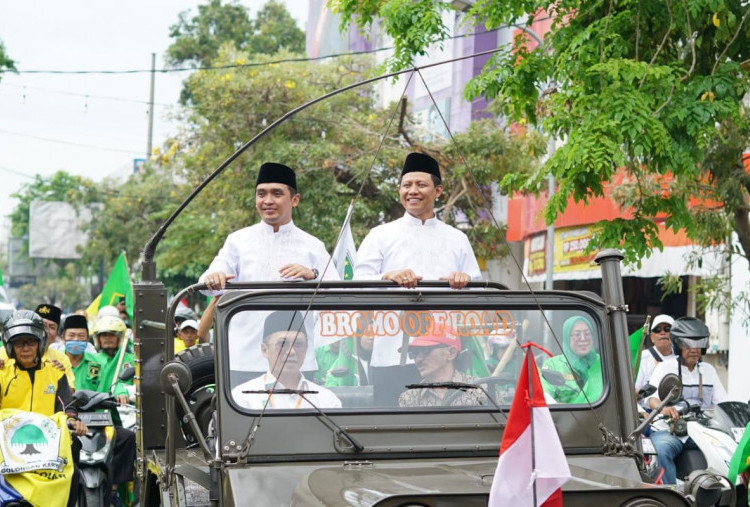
(92, 125)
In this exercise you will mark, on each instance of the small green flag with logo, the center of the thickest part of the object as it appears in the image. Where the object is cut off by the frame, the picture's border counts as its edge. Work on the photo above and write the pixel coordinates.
(118, 285)
(345, 254)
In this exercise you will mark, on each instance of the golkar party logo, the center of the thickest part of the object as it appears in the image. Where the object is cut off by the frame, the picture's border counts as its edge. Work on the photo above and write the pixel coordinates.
(29, 441)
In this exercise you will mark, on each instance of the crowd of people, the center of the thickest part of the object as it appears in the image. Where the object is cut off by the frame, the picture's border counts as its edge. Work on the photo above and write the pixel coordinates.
(46, 357)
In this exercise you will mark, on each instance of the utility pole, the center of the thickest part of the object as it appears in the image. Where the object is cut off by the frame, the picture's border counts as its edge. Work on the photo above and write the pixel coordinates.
(149, 143)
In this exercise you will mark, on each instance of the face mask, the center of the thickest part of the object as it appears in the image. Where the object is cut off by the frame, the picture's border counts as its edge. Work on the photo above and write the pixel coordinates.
(75, 348)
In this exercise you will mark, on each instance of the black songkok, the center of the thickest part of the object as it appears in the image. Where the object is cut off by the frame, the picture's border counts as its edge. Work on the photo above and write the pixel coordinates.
(283, 320)
(49, 312)
(419, 162)
(75, 322)
(271, 172)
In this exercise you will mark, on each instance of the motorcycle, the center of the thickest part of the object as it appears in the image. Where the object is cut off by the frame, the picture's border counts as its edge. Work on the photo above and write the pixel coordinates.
(97, 446)
(701, 472)
(102, 414)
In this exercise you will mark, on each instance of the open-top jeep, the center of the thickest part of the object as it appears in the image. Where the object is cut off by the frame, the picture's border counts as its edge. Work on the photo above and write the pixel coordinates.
(203, 430)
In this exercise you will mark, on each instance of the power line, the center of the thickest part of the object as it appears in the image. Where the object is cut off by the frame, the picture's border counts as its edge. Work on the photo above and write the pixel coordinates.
(69, 143)
(83, 95)
(17, 173)
(229, 66)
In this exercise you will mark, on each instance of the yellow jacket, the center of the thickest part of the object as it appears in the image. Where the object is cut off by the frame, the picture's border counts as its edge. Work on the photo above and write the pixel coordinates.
(45, 395)
(55, 355)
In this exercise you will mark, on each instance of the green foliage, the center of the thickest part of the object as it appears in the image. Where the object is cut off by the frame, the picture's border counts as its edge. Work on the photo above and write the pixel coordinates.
(273, 29)
(638, 90)
(197, 39)
(413, 24)
(6, 64)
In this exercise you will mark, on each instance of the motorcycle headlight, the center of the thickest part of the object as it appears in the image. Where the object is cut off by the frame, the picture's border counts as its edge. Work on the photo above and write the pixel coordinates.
(97, 456)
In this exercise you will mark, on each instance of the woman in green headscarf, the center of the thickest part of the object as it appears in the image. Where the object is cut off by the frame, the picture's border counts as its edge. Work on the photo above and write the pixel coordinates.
(579, 369)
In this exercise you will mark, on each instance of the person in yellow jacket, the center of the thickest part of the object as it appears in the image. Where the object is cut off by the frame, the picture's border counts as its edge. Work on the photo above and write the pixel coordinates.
(29, 382)
(50, 316)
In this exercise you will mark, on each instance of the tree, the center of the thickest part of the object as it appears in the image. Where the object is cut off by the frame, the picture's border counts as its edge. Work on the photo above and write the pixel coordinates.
(131, 212)
(651, 89)
(273, 29)
(6, 64)
(197, 40)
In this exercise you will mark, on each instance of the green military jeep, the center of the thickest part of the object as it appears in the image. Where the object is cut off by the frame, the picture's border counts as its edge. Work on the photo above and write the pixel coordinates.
(215, 425)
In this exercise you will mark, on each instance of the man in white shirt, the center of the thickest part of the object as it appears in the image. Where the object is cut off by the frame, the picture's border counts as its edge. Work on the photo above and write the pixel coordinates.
(417, 246)
(700, 385)
(414, 247)
(284, 347)
(272, 250)
(661, 350)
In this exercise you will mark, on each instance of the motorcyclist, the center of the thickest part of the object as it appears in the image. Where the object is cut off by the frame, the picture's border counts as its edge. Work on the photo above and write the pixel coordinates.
(701, 385)
(108, 335)
(32, 383)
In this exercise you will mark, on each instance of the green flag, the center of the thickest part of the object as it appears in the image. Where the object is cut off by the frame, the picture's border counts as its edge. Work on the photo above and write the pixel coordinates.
(741, 458)
(118, 285)
(636, 341)
(636, 345)
(1, 277)
(478, 366)
(345, 366)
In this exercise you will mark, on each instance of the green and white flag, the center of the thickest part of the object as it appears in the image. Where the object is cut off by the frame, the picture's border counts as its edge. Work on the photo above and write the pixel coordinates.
(117, 285)
(345, 254)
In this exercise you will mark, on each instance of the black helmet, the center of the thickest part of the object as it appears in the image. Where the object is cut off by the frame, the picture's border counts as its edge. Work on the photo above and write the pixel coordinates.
(24, 323)
(689, 332)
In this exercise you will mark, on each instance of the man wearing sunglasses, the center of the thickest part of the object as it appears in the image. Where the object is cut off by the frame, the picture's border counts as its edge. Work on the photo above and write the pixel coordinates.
(700, 385)
(284, 347)
(435, 355)
(660, 351)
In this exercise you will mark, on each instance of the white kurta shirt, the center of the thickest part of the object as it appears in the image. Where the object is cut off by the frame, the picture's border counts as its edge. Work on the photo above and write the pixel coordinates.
(324, 398)
(432, 250)
(255, 254)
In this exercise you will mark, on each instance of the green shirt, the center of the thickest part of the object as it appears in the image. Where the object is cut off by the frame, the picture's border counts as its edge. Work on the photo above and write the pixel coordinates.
(572, 390)
(108, 371)
(88, 373)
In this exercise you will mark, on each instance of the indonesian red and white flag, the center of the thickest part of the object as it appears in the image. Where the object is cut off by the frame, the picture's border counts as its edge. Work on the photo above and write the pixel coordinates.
(516, 477)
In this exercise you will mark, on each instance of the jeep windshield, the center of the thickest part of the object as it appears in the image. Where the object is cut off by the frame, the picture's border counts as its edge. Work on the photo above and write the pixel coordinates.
(393, 357)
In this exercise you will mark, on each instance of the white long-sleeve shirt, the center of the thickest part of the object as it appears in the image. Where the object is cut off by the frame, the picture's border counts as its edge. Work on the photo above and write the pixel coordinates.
(255, 254)
(324, 398)
(433, 250)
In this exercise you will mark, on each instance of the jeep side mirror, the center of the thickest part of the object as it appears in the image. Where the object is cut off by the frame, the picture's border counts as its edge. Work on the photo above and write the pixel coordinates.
(175, 374)
(669, 382)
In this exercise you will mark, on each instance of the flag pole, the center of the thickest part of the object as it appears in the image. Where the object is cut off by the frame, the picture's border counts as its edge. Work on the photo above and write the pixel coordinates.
(529, 358)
